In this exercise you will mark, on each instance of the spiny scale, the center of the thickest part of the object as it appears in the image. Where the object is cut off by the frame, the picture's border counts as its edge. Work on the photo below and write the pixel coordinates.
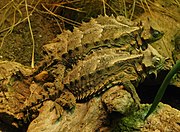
(98, 72)
(104, 32)
(97, 55)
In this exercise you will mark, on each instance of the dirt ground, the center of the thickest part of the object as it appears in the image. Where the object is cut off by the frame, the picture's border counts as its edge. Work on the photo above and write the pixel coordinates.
(17, 45)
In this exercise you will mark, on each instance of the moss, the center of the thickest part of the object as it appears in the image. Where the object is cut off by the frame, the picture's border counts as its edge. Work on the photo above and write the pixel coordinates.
(134, 121)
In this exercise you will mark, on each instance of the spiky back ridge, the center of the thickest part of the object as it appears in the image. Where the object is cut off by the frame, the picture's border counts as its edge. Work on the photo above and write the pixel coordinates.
(100, 71)
(102, 32)
(96, 54)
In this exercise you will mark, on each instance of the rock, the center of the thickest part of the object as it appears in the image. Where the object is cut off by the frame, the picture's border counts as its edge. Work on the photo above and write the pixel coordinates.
(85, 117)
(164, 119)
(49, 114)
(117, 99)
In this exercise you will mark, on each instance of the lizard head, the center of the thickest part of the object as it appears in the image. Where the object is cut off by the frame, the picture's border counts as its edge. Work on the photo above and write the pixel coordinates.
(149, 36)
(154, 62)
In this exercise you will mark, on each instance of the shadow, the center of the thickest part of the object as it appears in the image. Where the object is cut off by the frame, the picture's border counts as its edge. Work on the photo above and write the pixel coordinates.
(148, 89)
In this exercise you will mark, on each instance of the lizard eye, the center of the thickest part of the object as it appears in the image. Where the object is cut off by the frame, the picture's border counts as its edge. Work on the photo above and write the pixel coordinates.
(155, 33)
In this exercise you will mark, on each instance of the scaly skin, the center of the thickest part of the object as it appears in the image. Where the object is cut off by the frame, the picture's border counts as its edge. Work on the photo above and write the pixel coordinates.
(90, 59)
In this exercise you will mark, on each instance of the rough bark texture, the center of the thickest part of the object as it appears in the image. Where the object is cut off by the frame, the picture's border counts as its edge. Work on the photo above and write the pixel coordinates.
(165, 119)
(85, 117)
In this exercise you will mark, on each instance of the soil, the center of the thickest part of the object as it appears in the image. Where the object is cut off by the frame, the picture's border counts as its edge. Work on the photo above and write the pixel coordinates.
(17, 45)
